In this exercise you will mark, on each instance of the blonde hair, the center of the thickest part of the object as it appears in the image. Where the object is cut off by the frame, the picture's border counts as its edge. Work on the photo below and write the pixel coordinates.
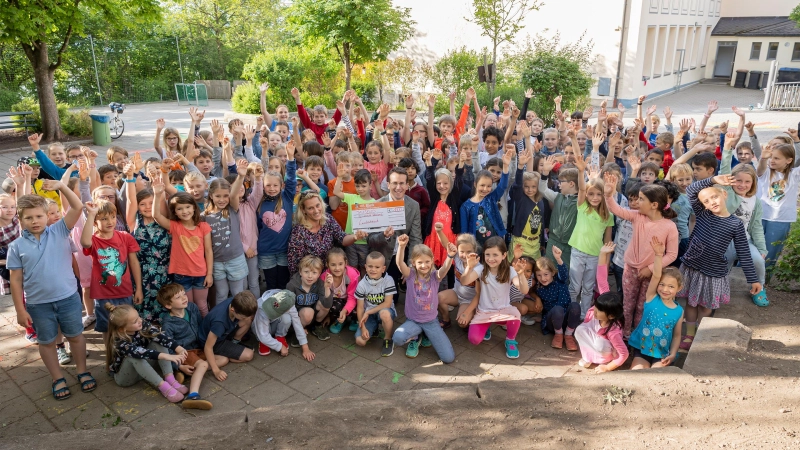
(118, 317)
(104, 208)
(787, 151)
(311, 262)
(170, 131)
(30, 201)
(749, 170)
(535, 177)
(445, 172)
(279, 176)
(55, 145)
(468, 239)
(193, 176)
(219, 184)
(602, 208)
(420, 250)
(545, 264)
(680, 169)
(300, 214)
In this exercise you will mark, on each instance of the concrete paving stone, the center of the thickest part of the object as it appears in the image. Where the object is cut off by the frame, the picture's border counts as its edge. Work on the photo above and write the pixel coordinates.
(288, 368)
(28, 373)
(389, 381)
(34, 424)
(19, 357)
(137, 405)
(93, 414)
(42, 387)
(52, 407)
(209, 386)
(242, 379)
(14, 410)
(315, 382)
(474, 363)
(372, 349)
(333, 358)
(298, 399)
(111, 392)
(360, 370)
(436, 373)
(8, 331)
(224, 401)
(169, 413)
(553, 365)
(9, 390)
(12, 342)
(261, 362)
(269, 393)
(344, 389)
(398, 362)
(4, 376)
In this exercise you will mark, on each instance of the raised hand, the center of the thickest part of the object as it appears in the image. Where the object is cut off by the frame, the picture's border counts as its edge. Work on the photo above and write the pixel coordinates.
(684, 125)
(388, 232)
(472, 260)
(609, 184)
(725, 180)
(658, 246)
(470, 95)
(749, 127)
(383, 111)
(402, 240)
(519, 266)
(712, 106)
(196, 115)
(431, 101)
(17, 176)
(91, 207)
(83, 169)
(557, 254)
(524, 157)
(594, 171)
(548, 164)
(518, 252)
(580, 163)
(642, 98)
(608, 247)
(557, 100)
(409, 101)
(296, 95)
(651, 109)
(528, 93)
(326, 140)
(793, 133)
(452, 96)
(634, 162)
(290, 150)
(263, 88)
(587, 113)
(738, 111)
(668, 113)
(621, 108)
(160, 124)
(34, 139)
(129, 170)
(511, 150)
(52, 185)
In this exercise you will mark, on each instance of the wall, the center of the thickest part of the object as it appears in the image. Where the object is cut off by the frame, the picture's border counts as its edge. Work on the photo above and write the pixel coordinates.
(766, 8)
(658, 28)
(743, 61)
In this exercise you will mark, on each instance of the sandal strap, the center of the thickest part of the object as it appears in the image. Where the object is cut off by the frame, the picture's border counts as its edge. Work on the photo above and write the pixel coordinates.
(60, 380)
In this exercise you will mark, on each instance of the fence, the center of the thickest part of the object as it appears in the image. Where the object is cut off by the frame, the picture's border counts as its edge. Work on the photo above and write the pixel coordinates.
(780, 96)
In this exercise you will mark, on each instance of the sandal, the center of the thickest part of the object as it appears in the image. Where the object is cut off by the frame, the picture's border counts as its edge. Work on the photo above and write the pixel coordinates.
(64, 390)
(686, 342)
(445, 324)
(760, 299)
(83, 382)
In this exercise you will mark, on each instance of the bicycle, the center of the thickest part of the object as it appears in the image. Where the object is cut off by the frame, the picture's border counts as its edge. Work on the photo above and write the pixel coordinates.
(116, 124)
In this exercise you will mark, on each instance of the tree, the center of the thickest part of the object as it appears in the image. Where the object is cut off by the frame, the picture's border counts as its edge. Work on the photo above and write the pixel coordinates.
(795, 15)
(500, 21)
(552, 74)
(455, 71)
(35, 26)
(359, 31)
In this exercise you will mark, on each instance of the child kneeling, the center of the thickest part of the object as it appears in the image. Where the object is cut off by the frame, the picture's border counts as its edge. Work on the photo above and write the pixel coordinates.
(422, 301)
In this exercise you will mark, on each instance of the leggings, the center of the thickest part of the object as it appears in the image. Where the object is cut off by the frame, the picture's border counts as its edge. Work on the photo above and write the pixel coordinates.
(277, 277)
(134, 369)
(595, 349)
(478, 330)
(252, 276)
(634, 293)
(560, 319)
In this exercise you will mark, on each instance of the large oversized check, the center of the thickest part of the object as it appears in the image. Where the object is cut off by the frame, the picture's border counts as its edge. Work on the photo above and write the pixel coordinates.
(378, 216)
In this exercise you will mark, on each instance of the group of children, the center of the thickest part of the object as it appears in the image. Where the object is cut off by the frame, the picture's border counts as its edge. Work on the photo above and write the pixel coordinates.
(507, 222)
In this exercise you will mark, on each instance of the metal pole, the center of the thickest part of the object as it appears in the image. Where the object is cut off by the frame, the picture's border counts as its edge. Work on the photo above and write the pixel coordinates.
(179, 57)
(96, 74)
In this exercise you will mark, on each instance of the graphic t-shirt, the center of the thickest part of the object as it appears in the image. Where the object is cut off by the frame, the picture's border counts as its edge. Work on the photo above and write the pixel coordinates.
(779, 195)
(188, 249)
(745, 211)
(303, 298)
(225, 238)
(422, 297)
(374, 292)
(110, 272)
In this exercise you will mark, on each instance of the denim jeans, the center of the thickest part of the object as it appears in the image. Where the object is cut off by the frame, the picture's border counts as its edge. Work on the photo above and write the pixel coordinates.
(774, 234)
(758, 261)
(441, 343)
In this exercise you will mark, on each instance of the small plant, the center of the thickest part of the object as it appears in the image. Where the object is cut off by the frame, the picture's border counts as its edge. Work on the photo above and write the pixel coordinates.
(786, 273)
(617, 395)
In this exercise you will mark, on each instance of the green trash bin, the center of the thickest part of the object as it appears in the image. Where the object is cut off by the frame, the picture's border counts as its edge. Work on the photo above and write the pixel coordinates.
(100, 130)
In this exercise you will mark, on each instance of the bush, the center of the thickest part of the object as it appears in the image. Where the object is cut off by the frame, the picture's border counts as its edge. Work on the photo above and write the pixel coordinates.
(73, 123)
(246, 98)
(77, 123)
(367, 91)
(8, 98)
(787, 270)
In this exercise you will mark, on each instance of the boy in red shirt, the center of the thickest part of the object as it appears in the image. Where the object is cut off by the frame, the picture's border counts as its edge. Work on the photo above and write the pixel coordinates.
(320, 123)
(114, 260)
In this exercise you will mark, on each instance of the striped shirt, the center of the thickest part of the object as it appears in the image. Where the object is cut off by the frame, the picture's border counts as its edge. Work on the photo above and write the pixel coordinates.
(711, 236)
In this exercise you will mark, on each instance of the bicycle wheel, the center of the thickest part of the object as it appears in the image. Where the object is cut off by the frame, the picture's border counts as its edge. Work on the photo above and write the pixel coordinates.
(117, 127)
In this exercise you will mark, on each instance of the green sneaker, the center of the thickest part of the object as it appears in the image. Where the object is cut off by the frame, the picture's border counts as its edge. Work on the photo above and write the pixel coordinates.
(488, 335)
(353, 326)
(425, 342)
(413, 349)
(336, 328)
(512, 349)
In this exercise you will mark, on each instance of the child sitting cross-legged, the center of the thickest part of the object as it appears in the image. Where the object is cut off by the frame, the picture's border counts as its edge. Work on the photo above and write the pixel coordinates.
(560, 315)
(276, 313)
(181, 322)
(421, 326)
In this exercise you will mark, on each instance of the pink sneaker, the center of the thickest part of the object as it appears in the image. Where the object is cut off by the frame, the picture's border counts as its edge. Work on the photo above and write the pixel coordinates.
(169, 392)
(176, 385)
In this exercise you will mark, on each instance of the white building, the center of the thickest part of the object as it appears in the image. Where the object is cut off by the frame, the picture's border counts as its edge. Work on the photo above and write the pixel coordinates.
(666, 44)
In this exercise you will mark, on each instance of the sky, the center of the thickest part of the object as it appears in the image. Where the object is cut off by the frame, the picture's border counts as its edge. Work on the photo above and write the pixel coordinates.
(443, 23)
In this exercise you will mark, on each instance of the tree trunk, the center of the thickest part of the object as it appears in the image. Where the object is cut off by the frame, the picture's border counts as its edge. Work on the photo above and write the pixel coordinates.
(43, 75)
(347, 67)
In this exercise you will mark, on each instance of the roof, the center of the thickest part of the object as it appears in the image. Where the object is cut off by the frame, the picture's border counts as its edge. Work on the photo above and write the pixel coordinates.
(756, 26)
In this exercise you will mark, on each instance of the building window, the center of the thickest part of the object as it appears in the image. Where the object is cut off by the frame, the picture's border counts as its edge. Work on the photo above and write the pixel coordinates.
(772, 50)
(755, 51)
(796, 52)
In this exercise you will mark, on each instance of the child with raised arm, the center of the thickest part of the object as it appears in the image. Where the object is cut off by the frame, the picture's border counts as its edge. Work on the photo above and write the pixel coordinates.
(565, 207)
(114, 262)
(356, 253)
(480, 214)
(560, 315)
(705, 269)
(655, 340)
(592, 228)
(319, 125)
(778, 181)
(493, 302)
(600, 334)
(653, 218)
(191, 261)
(422, 304)
(53, 303)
